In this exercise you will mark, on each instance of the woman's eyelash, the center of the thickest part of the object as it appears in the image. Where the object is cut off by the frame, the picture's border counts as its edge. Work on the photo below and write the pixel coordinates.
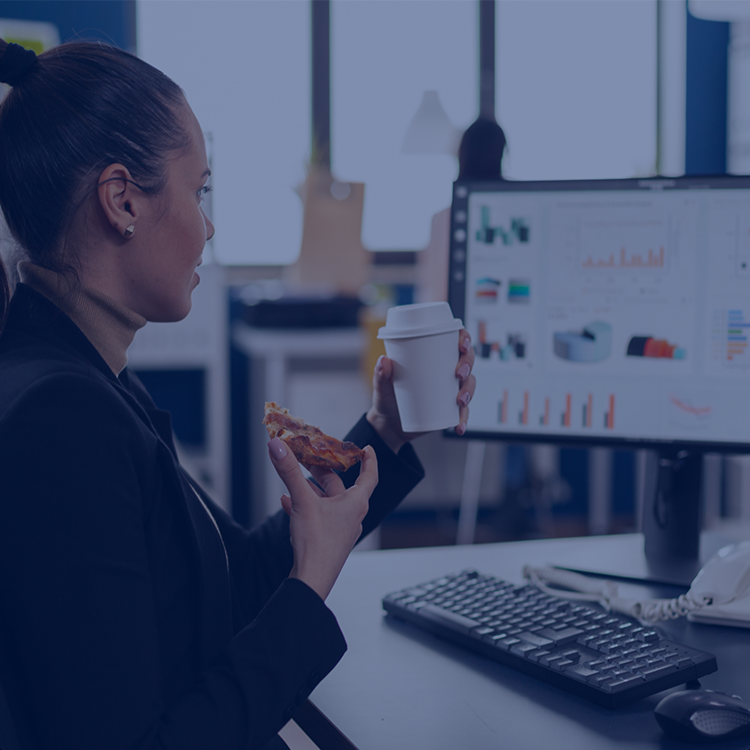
(205, 190)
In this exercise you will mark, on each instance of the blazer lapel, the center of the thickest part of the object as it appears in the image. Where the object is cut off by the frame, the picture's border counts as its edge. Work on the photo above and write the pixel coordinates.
(216, 612)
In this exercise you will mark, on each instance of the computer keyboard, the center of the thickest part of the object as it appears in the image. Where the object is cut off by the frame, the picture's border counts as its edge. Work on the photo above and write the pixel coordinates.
(607, 658)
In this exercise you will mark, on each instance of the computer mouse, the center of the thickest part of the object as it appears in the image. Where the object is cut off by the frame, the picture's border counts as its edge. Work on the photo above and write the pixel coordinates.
(703, 715)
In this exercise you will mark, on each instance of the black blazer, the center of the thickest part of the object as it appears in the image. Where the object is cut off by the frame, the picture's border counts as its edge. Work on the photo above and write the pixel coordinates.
(134, 613)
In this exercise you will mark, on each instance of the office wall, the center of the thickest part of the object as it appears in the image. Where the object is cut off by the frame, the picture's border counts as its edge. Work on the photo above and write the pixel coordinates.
(112, 21)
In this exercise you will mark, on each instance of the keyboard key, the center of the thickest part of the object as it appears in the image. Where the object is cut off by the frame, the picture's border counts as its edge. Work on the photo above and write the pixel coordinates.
(561, 637)
(508, 643)
(561, 664)
(656, 670)
(538, 654)
(648, 636)
(610, 646)
(581, 672)
(446, 617)
(483, 631)
(599, 664)
(547, 661)
(571, 654)
(682, 662)
(535, 639)
(622, 683)
(403, 600)
(495, 638)
(523, 648)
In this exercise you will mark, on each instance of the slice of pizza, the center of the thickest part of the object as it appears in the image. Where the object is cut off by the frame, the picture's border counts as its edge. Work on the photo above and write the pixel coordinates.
(310, 445)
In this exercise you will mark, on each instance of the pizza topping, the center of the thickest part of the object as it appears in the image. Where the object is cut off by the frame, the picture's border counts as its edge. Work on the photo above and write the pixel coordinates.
(310, 445)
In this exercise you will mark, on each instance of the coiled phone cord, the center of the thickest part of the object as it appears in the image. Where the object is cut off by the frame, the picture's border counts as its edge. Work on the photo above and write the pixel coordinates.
(581, 588)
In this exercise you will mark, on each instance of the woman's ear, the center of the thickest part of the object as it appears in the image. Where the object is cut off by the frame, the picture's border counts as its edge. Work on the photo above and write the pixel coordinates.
(120, 199)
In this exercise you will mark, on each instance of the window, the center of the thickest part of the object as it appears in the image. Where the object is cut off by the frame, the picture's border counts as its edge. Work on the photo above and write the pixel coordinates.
(576, 88)
(245, 69)
(384, 57)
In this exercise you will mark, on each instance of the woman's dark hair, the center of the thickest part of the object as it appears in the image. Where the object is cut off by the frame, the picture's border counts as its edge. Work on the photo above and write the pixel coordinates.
(480, 153)
(78, 108)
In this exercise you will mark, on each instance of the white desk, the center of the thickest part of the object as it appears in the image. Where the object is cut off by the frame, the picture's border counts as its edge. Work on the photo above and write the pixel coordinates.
(398, 687)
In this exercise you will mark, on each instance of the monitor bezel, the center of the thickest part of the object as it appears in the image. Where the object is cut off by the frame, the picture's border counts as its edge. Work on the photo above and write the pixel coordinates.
(457, 296)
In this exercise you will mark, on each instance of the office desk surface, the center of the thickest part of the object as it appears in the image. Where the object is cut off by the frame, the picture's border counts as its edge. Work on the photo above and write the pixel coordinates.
(399, 687)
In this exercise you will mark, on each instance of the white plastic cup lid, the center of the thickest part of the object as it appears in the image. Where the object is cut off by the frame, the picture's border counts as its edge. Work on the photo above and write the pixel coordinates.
(422, 319)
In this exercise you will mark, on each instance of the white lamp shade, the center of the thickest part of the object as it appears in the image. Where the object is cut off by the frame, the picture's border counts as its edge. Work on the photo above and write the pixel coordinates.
(430, 130)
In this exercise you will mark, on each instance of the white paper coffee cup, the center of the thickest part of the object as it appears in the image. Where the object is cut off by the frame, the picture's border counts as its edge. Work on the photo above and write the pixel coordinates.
(422, 341)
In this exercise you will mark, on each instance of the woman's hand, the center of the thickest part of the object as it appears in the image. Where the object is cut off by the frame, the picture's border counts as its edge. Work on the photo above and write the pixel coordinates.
(324, 524)
(383, 414)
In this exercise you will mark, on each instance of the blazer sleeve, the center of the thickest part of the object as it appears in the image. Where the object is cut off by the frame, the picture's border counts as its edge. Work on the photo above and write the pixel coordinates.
(398, 473)
(81, 642)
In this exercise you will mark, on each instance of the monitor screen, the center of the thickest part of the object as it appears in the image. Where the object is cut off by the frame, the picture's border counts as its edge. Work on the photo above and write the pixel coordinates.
(606, 312)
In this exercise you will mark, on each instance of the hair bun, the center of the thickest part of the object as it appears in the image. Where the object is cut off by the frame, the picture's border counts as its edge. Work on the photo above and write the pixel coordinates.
(15, 63)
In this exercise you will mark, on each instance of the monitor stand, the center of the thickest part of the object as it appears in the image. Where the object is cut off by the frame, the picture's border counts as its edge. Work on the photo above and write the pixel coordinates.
(672, 514)
(673, 544)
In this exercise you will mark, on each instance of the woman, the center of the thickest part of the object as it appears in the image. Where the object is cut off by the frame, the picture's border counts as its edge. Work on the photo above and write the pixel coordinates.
(134, 613)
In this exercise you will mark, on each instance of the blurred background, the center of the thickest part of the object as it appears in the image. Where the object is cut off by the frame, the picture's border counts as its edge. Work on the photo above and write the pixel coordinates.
(332, 128)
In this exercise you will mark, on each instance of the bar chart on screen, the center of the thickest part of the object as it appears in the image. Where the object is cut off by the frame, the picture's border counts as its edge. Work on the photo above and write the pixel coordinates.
(625, 260)
(515, 230)
(729, 338)
(738, 327)
(564, 411)
(641, 245)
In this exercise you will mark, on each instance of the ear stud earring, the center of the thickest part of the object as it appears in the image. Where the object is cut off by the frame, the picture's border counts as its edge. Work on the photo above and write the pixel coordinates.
(129, 231)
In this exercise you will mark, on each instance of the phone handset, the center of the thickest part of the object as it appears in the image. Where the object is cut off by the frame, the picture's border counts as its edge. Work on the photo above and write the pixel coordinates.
(719, 594)
(725, 577)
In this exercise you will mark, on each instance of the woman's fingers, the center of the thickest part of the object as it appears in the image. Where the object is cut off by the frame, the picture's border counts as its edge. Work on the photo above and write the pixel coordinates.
(368, 473)
(466, 360)
(464, 398)
(366, 481)
(327, 480)
(466, 381)
(383, 372)
(287, 468)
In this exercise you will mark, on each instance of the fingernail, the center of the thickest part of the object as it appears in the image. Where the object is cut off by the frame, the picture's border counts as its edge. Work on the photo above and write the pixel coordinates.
(461, 428)
(464, 398)
(379, 365)
(277, 449)
(465, 345)
(463, 371)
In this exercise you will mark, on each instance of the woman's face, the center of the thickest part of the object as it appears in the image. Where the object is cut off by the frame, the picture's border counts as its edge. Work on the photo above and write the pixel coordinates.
(171, 236)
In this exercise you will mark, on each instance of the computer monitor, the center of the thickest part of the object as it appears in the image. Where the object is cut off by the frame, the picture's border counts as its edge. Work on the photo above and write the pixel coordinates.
(612, 313)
